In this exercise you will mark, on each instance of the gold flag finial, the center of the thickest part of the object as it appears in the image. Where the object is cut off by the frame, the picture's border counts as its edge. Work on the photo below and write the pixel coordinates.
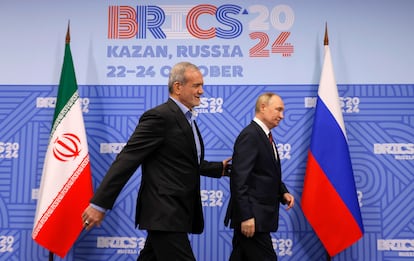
(68, 34)
(326, 40)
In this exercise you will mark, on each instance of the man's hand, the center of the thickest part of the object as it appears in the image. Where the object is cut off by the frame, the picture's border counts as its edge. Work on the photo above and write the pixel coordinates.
(248, 227)
(226, 163)
(92, 217)
(290, 199)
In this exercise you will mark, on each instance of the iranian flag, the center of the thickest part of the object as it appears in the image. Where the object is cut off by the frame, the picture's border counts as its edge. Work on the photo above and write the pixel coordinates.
(66, 184)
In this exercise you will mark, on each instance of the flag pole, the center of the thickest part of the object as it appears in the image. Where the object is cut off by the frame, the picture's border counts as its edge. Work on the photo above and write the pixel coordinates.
(58, 221)
(328, 257)
(338, 221)
(326, 42)
(68, 34)
(67, 40)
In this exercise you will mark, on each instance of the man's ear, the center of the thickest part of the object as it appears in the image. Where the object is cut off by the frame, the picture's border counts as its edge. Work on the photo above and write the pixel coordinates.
(176, 87)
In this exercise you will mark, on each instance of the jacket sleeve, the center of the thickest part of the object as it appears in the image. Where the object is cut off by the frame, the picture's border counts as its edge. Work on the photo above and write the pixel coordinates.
(146, 138)
(211, 169)
(283, 190)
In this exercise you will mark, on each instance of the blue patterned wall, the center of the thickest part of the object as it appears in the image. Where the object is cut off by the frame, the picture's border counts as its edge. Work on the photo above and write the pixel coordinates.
(379, 120)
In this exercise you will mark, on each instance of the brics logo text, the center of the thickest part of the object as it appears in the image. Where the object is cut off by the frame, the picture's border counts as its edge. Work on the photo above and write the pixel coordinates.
(126, 22)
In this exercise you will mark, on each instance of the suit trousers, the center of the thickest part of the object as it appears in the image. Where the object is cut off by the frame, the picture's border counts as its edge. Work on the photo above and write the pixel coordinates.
(256, 248)
(166, 246)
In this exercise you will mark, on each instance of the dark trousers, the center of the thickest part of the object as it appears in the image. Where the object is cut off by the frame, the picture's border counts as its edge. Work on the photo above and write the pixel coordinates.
(256, 248)
(166, 246)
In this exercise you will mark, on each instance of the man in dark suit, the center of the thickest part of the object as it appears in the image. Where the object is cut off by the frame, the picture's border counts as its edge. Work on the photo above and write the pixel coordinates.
(256, 185)
(168, 146)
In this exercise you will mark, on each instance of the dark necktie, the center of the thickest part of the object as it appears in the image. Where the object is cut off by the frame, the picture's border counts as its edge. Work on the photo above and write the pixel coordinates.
(270, 138)
(273, 146)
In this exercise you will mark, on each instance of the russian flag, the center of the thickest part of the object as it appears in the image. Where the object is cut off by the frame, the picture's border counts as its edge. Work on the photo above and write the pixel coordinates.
(329, 198)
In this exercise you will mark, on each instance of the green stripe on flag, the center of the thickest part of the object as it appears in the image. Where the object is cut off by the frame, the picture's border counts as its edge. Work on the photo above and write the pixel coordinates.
(67, 87)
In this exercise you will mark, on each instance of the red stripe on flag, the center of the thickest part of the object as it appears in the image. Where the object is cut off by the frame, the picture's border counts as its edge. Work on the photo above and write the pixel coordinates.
(66, 222)
(326, 212)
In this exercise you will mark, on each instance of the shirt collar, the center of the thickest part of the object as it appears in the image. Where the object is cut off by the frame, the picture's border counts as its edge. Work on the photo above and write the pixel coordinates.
(184, 109)
(262, 125)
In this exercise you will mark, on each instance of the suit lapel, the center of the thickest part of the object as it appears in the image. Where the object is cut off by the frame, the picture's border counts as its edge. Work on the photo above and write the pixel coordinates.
(185, 126)
(201, 141)
(269, 148)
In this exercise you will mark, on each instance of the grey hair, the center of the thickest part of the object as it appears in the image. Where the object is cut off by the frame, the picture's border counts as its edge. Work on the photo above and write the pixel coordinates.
(177, 74)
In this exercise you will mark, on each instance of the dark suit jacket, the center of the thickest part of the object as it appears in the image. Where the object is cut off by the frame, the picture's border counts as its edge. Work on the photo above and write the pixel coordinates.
(255, 181)
(169, 194)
